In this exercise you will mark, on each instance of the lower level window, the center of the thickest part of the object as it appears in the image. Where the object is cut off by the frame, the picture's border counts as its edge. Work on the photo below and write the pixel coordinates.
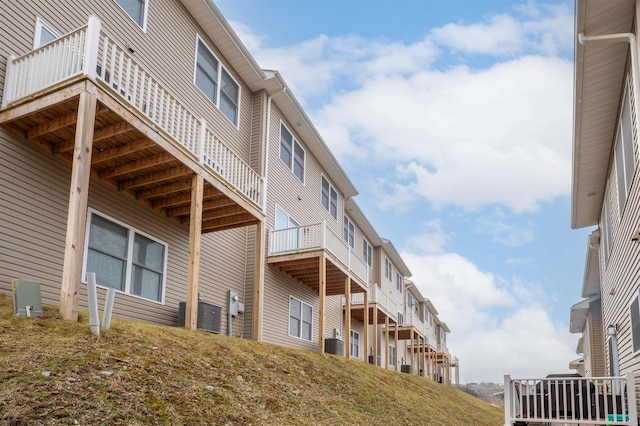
(355, 344)
(125, 259)
(300, 319)
(392, 355)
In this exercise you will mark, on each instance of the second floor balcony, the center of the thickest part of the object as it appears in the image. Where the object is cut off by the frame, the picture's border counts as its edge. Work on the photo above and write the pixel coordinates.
(146, 141)
(295, 246)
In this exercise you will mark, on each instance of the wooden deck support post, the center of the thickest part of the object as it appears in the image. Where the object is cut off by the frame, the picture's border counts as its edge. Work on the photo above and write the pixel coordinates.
(386, 342)
(424, 357)
(347, 319)
(375, 334)
(396, 343)
(413, 358)
(323, 292)
(78, 201)
(365, 341)
(457, 376)
(258, 282)
(195, 233)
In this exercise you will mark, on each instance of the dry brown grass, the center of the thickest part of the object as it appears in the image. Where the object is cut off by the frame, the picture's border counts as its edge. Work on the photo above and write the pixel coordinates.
(160, 376)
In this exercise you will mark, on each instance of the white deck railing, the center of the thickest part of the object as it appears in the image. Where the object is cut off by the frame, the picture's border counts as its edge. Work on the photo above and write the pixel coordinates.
(318, 236)
(377, 296)
(413, 320)
(91, 52)
(571, 400)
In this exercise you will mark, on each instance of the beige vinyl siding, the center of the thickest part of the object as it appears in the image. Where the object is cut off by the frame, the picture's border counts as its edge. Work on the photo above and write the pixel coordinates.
(302, 203)
(34, 187)
(166, 50)
(278, 288)
(620, 277)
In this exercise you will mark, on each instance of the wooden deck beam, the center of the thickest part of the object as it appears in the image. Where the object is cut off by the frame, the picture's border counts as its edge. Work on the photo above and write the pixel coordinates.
(77, 213)
(122, 150)
(137, 165)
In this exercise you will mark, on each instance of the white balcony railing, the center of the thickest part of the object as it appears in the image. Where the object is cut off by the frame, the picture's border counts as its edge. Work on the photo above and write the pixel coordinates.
(91, 52)
(377, 296)
(414, 321)
(574, 400)
(317, 237)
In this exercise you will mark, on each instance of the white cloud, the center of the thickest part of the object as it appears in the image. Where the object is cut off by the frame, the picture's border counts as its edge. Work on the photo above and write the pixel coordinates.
(430, 238)
(508, 234)
(498, 326)
(541, 29)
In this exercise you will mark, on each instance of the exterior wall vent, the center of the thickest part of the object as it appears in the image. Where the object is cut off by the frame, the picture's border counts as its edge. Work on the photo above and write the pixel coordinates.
(209, 316)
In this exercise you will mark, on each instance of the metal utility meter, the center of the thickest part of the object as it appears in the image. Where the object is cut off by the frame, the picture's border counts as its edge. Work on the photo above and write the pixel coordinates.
(27, 300)
(234, 303)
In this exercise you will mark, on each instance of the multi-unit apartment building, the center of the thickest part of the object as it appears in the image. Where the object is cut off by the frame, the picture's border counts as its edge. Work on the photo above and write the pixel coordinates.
(605, 196)
(142, 142)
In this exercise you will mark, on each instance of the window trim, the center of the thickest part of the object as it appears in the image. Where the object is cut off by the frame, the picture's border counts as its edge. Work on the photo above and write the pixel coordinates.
(392, 351)
(145, 13)
(331, 188)
(349, 229)
(129, 261)
(302, 304)
(388, 269)
(294, 143)
(621, 157)
(352, 340)
(635, 346)
(40, 24)
(399, 281)
(220, 68)
(367, 252)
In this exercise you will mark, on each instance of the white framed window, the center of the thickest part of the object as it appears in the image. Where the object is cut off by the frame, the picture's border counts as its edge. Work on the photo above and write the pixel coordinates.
(124, 258)
(329, 198)
(367, 252)
(137, 10)
(44, 34)
(399, 282)
(355, 344)
(291, 153)
(392, 355)
(300, 319)
(605, 226)
(216, 83)
(388, 269)
(624, 156)
(287, 235)
(349, 231)
(634, 313)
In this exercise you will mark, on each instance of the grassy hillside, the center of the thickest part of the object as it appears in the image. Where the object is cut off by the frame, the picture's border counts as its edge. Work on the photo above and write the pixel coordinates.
(144, 374)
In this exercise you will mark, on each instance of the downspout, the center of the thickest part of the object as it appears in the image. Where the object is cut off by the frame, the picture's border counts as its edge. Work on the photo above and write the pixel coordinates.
(265, 147)
(631, 39)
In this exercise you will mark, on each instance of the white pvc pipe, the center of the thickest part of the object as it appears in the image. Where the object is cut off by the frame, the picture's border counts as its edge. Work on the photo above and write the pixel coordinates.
(94, 321)
(631, 39)
(108, 308)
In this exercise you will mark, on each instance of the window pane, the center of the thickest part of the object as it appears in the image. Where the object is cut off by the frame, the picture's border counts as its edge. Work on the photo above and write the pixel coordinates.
(286, 144)
(134, 8)
(229, 97)
(307, 313)
(325, 193)
(298, 162)
(146, 283)
(306, 331)
(635, 325)
(627, 140)
(148, 253)
(109, 270)
(108, 237)
(334, 204)
(294, 327)
(207, 72)
(46, 36)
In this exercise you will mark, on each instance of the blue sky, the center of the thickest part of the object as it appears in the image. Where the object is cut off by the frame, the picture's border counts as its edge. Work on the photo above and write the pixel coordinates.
(453, 119)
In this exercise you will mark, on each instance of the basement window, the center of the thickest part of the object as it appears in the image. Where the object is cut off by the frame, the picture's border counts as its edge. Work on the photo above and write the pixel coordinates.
(355, 344)
(124, 258)
(300, 319)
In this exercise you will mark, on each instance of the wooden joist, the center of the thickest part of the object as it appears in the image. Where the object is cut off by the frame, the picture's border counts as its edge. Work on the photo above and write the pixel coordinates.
(121, 151)
(157, 177)
(136, 166)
